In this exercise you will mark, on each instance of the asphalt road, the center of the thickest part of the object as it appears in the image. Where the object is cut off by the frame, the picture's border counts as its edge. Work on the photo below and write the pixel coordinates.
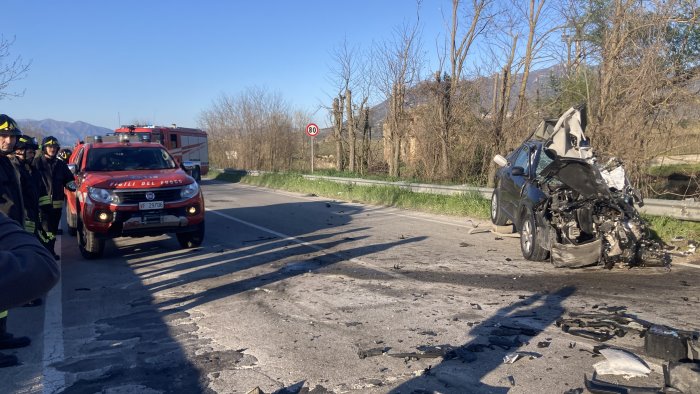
(292, 292)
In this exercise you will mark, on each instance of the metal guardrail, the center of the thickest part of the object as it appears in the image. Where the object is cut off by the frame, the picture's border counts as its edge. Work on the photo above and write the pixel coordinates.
(682, 210)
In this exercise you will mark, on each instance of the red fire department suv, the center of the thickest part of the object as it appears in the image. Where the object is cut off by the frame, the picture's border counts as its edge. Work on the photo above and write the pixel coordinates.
(131, 189)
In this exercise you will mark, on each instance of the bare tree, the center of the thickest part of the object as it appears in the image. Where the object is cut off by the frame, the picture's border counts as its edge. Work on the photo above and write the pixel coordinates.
(12, 69)
(254, 130)
(449, 88)
(397, 69)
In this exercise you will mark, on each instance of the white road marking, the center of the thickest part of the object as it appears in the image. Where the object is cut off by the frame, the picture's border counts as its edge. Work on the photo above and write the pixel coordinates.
(54, 380)
(285, 237)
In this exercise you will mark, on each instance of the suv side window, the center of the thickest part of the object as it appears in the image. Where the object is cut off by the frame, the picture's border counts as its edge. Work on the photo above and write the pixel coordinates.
(79, 158)
(523, 159)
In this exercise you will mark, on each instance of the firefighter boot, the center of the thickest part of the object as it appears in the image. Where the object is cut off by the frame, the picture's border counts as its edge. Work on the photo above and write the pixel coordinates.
(7, 340)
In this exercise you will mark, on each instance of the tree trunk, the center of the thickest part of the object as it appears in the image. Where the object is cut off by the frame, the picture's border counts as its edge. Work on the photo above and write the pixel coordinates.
(351, 130)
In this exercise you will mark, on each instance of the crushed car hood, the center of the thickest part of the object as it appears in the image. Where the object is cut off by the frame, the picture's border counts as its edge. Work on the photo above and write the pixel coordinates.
(139, 179)
(579, 175)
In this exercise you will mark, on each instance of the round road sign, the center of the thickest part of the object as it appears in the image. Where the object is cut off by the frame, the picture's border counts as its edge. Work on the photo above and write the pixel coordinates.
(311, 130)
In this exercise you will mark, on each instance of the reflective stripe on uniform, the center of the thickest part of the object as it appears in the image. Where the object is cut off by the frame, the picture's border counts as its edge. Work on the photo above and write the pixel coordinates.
(44, 236)
(58, 204)
(44, 200)
(3, 314)
(29, 226)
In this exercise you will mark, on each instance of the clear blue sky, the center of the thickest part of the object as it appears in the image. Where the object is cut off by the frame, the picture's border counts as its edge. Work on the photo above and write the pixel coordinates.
(166, 61)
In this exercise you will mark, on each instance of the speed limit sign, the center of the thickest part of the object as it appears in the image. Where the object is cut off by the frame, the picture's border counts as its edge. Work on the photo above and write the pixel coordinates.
(311, 130)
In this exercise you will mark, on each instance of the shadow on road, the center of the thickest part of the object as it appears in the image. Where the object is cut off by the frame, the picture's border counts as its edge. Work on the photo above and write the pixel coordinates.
(136, 317)
(463, 368)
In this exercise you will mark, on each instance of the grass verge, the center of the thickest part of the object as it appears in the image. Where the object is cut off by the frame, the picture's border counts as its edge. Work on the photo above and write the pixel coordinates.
(667, 170)
(469, 205)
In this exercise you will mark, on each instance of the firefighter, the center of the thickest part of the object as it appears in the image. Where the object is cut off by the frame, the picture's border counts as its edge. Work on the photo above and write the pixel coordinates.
(21, 159)
(55, 175)
(11, 204)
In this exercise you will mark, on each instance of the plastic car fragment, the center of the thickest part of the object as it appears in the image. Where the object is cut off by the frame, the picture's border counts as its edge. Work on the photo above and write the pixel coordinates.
(621, 362)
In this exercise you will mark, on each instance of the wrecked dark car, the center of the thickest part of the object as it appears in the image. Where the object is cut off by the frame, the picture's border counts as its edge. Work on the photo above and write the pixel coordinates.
(567, 206)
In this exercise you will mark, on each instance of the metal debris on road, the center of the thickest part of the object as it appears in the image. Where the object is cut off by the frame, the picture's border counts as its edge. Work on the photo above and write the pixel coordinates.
(596, 386)
(510, 358)
(377, 351)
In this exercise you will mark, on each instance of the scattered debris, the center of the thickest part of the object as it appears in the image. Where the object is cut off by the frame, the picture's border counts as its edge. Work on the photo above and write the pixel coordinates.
(506, 330)
(670, 344)
(477, 230)
(397, 266)
(505, 342)
(475, 306)
(377, 351)
(510, 358)
(577, 390)
(683, 376)
(428, 332)
(600, 326)
(596, 386)
(256, 390)
(621, 362)
(511, 379)
(464, 245)
(543, 344)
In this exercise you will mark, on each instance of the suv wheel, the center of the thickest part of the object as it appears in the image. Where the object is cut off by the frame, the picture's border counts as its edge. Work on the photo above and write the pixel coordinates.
(91, 247)
(529, 244)
(72, 221)
(497, 216)
(191, 239)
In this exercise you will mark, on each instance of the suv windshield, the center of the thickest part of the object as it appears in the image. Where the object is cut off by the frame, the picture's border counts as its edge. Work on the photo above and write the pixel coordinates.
(124, 159)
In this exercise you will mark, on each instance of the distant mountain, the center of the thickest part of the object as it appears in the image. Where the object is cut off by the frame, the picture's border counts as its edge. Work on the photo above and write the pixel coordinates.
(68, 133)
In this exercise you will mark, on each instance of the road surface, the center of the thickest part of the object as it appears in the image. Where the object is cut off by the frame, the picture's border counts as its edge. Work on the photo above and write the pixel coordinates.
(294, 293)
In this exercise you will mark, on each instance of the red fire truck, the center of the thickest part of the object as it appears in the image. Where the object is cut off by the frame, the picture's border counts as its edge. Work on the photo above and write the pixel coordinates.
(188, 146)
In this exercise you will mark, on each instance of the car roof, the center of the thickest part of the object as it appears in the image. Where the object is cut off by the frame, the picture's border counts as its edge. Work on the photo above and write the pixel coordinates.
(105, 145)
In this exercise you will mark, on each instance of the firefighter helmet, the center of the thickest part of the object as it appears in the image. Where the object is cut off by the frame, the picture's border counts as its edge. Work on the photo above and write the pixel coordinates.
(64, 154)
(50, 141)
(8, 126)
(26, 142)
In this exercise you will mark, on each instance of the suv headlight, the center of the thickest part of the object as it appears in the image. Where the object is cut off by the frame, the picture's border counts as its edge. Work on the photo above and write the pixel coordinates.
(190, 190)
(100, 195)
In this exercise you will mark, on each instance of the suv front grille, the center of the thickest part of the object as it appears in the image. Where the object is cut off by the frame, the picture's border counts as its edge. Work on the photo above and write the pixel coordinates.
(136, 196)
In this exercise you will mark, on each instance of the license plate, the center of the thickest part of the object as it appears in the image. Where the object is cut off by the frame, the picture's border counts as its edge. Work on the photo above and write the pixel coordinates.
(151, 205)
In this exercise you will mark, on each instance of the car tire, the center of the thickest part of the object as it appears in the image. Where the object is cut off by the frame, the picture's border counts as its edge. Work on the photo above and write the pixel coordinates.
(529, 240)
(497, 216)
(91, 247)
(72, 221)
(191, 239)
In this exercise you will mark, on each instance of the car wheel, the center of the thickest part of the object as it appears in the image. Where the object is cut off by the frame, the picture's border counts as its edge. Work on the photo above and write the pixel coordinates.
(529, 242)
(91, 247)
(497, 216)
(72, 221)
(191, 239)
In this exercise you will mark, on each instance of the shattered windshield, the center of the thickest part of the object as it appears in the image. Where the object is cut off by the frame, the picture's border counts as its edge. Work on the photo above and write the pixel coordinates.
(124, 159)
